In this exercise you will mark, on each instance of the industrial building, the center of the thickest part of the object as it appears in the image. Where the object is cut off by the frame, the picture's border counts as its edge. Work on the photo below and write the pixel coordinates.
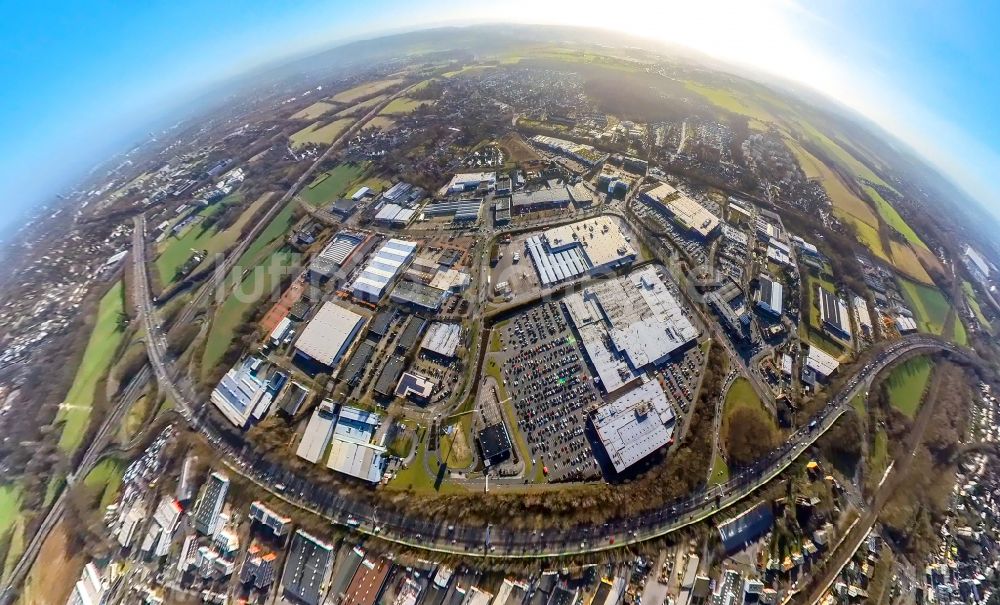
(209, 507)
(329, 335)
(833, 313)
(818, 366)
(442, 339)
(385, 386)
(355, 368)
(629, 324)
(863, 318)
(417, 296)
(502, 211)
(472, 181)
(905, 325)
(585, 154)
(309, 563)
(335, 254)
(594, 245)
(410, 337)
(450, 280)
(635, 425)
(523, 202)
(494, 444)
(245, 393)
(318, 432)
(351, 450)
(688, 213)
(415, 387)
(770, 296)
(461, 211)
(779, 252)
(394, 215)
(746, 527)
(730, 303)
(382, 268)
(278, 524)
(344, 208)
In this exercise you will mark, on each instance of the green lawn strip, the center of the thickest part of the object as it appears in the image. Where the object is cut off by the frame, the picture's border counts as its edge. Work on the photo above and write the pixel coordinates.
(858, 403)
(97, 358)
(742, 396)
(274, 230)
(175, 251)
(106, 478)
(415, 477)
(959, 335)
(10, 506)
(14, 550)
(134, 418)
(259, 282)
(977, 309)
(906, 384)
(720, 470)
(929, 306)
(879, 457)
(333, 184)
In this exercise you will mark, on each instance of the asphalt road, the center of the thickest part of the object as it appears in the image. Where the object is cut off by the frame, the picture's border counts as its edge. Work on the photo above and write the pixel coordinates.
(500, 542)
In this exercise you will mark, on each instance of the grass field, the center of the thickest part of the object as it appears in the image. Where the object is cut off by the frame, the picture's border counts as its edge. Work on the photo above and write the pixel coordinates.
(320, 135)
(742, 396)
(977, 310)
(106, 479)
(381, 123)
(720, 470)
(892, 217)
(316, 110)
(906, 384)
(929, 306)
(415, 476)
(358, 108)
(333, 184)
(878, 458)
(10, 506)
(276, 229)
(403, 105)
(15, 549)
(905, 259)
(175, 251)
(959, 335)
(733, 102)
(259, 283)
(96, 361)
(369, 88)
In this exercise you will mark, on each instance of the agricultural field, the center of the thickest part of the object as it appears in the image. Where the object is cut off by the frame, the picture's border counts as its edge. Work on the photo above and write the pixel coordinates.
(314, 111)
(259, 283)
(97, 358)
(358, 108)
(175, 251)
(381, 123)
(892, 217)
(403, 105)
(58, 559)
(332, 184)
(906, 384)
(320, 135)
(735, 103)
(905, 259)
(369, 88)
(929, 306)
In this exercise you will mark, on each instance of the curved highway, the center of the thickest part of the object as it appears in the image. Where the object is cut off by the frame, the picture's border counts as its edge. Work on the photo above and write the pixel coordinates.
(500, 542)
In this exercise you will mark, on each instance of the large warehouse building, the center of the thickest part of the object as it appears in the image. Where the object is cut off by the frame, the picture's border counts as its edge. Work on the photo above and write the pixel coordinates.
(628, 324)
(591, 246)
(329, 334)
(335, 254)
(635, 425)
(833, 313)
(688, 213)
(770, 296)
(382, 268)
(245, 392)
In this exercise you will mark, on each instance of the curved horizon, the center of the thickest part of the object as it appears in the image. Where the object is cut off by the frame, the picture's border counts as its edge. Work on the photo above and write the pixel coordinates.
(924, 76)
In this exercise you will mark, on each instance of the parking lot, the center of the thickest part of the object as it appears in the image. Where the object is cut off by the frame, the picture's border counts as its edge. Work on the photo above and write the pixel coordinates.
(552, 391)
(679, 378)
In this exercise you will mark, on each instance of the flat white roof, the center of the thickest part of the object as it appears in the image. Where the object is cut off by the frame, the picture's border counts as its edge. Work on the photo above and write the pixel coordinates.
(329, 333)
(442, 338)
(635, 425)
(694, 216)
(601, 238)
(821, 362)
(661, 192)
(316, 437)
(364, 461)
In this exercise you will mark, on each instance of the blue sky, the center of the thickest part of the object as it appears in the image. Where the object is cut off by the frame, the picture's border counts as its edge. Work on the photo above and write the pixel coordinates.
(79, 76)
